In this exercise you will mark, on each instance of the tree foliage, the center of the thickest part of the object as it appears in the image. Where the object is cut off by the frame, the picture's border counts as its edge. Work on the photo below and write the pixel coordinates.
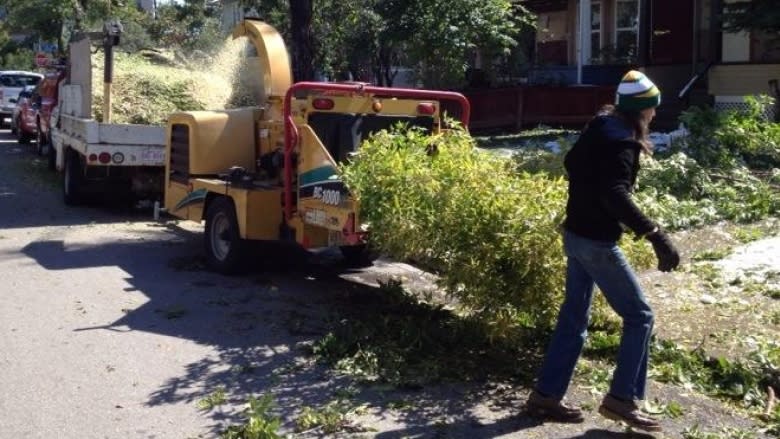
(192, 25)
(364, 40)
(53, 20)
(368, 39)
(752, 15)
(491, 233)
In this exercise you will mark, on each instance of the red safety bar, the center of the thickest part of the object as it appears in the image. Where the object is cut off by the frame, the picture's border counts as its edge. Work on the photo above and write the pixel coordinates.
(291, 132)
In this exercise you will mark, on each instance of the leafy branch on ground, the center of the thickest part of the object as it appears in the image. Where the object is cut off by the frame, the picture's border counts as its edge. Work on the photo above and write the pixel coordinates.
(260, 422)
(392, 337)
(490, 233)
(214, 399)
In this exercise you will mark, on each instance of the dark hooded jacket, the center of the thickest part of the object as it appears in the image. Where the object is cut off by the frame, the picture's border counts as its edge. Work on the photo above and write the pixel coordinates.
(602, 167)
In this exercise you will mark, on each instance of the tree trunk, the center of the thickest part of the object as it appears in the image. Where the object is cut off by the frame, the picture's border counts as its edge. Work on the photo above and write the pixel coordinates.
(384, 66)
(62, 45)
(79, 12)
(303, 53)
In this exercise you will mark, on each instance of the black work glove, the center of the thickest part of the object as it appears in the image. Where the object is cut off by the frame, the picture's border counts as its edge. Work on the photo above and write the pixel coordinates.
(668, 257)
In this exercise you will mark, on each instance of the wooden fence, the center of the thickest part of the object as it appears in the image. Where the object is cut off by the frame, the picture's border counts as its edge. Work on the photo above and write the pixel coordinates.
(515, 107)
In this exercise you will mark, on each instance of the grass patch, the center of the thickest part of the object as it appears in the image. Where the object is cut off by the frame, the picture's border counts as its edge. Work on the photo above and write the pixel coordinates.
(214, 399)
(330, 418)
(712, 254)
(725, 433)
(594, 376)
(743, 381)
(747, 234)
(708, 273)
(389, 336)
(260, 421)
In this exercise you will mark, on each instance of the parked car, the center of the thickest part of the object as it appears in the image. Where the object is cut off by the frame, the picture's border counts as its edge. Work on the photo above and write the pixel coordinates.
(44, 99)
(11, 83)
(23, 116)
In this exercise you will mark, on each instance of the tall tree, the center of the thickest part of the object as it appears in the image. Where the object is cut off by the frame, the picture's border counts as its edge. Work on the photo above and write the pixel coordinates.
(190, 25)
(752, 15)
(303, 50)
(437, 36)
(370, 38)
(52, 20)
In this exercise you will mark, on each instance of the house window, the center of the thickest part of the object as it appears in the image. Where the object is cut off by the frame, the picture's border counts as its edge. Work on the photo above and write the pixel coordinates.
(626, 30)
(595, 31)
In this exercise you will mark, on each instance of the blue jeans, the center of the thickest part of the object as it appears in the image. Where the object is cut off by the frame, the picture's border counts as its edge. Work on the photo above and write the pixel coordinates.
(599, 263)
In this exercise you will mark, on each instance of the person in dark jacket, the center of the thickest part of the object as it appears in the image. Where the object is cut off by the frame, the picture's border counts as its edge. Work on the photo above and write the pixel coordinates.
(602, 167)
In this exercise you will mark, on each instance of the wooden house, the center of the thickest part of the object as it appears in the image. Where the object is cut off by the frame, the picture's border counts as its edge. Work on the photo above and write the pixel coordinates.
(678, 43)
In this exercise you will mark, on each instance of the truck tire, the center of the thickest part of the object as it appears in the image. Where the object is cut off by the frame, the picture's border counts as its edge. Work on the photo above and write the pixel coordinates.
(42, 144)
(22, 136)
(225, 250)
(51, 158)
(73, 180)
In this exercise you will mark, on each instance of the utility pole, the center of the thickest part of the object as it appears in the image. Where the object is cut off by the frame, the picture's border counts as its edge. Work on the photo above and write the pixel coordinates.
(111, 31)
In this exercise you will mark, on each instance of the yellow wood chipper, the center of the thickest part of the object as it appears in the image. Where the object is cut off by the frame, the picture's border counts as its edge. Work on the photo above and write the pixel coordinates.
(271, 172)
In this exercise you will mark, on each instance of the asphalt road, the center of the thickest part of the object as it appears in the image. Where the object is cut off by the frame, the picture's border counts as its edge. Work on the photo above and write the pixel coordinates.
(111, 328)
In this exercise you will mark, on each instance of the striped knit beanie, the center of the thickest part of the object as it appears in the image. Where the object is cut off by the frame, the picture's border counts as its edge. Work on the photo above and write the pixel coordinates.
(637, 92)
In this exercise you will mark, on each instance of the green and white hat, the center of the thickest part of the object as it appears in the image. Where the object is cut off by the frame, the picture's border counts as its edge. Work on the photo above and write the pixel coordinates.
(637, 92)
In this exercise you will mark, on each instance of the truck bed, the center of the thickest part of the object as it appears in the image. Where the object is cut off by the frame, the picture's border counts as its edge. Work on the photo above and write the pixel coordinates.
(141, 145)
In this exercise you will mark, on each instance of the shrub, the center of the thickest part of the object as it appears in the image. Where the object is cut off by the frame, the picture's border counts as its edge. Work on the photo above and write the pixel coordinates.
(19, 59)
(679, 193)
(490, 232)
(730, 138)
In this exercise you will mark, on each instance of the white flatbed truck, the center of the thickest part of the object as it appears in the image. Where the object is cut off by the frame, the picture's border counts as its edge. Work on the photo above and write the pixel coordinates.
(103, 160)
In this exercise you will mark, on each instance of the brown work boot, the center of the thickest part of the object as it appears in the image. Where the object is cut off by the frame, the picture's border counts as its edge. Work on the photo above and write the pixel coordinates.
(628, 412)
(554, 409)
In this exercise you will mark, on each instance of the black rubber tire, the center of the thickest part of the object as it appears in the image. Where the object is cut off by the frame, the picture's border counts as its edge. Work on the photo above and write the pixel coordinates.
(23, 137)
(225, 250)
(358, 255)
(51, 158)
(41, 143)
(73, 180)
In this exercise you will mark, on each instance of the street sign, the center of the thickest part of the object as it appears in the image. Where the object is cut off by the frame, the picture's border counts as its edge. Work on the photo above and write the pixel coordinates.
(41, 59)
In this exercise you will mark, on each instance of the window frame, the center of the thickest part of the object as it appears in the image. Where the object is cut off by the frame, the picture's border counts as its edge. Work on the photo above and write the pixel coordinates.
(616, 30)
(595, 53)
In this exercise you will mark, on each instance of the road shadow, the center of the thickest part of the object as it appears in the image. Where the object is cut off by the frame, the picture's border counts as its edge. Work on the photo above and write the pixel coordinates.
(31, 194)
(261, 325)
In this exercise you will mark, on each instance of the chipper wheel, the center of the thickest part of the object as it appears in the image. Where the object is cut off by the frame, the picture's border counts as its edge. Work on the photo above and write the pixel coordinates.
(225, 250)
(358, 255)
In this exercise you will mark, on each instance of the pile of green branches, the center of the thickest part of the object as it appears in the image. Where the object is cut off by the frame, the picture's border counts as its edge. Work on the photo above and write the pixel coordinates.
(491, 233)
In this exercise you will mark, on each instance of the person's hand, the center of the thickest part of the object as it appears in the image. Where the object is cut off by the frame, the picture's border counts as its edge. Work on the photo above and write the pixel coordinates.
(668, 257)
